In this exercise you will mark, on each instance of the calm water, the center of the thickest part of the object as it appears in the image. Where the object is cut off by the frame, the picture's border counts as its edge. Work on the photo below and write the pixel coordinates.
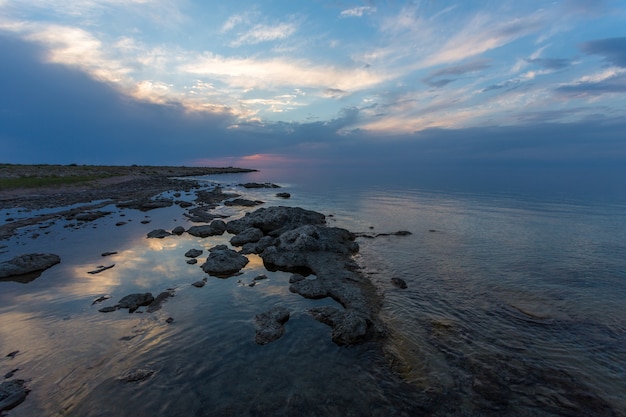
(515, 306)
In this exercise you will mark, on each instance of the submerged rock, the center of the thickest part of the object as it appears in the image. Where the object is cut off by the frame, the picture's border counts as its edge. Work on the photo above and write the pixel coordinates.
(283, 195)
(224, 262)
(399, 282)
(12, 393)
(270, 325)
(27, 264)
(133, 301)
(137, 375)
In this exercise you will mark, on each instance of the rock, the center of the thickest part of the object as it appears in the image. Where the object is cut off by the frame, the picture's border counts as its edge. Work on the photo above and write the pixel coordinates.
(108, 309)
(328, 315)
(260, 277)
(399, 282)
(145, 204)
(201, 215)
(216, 228)
(159, 234)
(224, 262)
(27, 264)
(157, 303)
(295, 278)
(283, 195)
(350, 329)
(108, 253)
(199, 284)
(145, 221)
(242, 202)
(275, 220)
(13, 354)
(193, 253)
(184, 204)
(89, 216)
(169, 320)
(192, 261)
(249, 235)
(100, 269)
(133, 301)
(178, 230)
(100, 299)
(214, 196)
(12, 393)
(309, 288)
(258, 247)
(120, 223)
(137, 375)
(270, 325)
(259, 185)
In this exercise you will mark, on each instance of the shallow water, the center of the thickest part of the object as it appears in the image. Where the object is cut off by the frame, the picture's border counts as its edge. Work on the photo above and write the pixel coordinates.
(514, 306)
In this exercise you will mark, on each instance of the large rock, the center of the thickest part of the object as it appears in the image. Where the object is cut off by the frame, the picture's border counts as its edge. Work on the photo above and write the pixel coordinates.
(224, 262)
(27, 264)
(216, 228)
(274, 221)
(249, 235)
(270, 325)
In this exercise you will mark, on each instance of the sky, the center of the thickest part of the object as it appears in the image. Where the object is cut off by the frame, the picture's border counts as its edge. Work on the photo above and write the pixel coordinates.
(245, 83)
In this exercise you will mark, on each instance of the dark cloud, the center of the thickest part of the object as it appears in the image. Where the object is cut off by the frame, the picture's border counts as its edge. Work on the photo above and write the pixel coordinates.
(612, 49)
(551, 63)
(433, 78)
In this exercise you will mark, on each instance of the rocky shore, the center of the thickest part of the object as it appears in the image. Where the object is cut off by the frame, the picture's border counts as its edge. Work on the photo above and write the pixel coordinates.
(320, 258)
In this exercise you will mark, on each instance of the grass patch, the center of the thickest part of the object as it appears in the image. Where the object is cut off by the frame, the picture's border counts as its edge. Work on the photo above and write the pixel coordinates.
(52, 181)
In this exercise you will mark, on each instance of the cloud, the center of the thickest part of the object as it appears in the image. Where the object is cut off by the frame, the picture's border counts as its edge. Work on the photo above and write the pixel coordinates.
(358, 11)
(264, 33)
(550, 63)
(507, 84)
(615, 84)
(469, 67)
(612, 49)
(271, 73)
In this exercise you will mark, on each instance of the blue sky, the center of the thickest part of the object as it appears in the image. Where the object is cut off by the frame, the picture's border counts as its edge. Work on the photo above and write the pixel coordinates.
(245, 83)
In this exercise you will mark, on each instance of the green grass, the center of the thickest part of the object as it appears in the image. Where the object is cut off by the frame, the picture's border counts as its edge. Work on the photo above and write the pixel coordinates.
(34, 182)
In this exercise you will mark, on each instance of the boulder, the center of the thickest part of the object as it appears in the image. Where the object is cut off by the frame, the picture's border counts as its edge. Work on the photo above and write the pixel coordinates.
(27, 264)
(193, 253)
(178, 230)
(224, 262)
(158, 234)
(216, 228)
(275, 220)
(270, 325)
(249, 235)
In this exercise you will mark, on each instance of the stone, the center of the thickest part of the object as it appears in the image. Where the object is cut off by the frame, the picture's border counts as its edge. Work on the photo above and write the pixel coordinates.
(108, 253)
(274, 221)
(192, 261)
(12, 393)
(157, 303)
(259, 185)
(137, 375)
(27, 264)
(133, 301)
(199, 284)
(295, 278)
(224, 262)
(250, 235)
(158, 234)
(100, 268)
(269, 326)
(243, 202)
(193, 253)
(178, 230)
(89, 216)
(283, 195)
(399, 282)
(216, 228)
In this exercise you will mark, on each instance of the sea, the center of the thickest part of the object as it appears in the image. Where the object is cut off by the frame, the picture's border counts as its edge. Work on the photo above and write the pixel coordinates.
(514, 306)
